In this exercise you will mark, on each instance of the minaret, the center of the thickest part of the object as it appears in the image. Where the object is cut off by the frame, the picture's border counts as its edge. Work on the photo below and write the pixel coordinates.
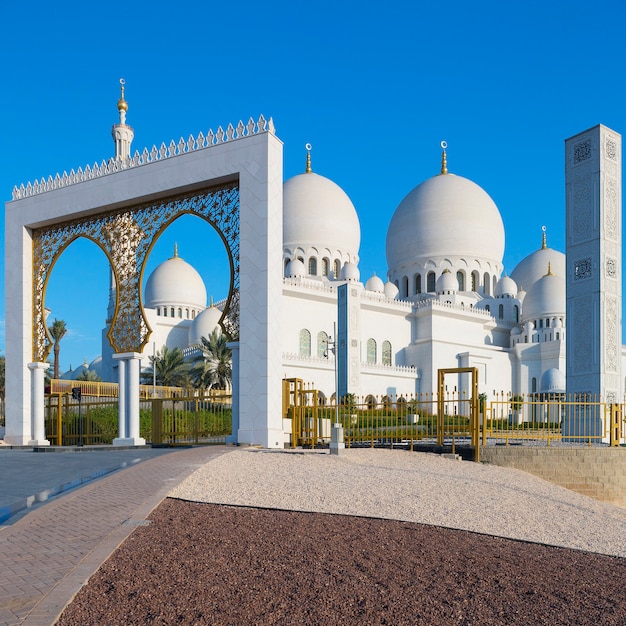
(122, 133)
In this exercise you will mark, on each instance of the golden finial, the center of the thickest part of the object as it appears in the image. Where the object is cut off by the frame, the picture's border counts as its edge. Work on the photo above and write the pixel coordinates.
(544, 243)
(122, 105)
(549, 269)
(176, 250)
(211, 302)
(444, 158)
(308, 147)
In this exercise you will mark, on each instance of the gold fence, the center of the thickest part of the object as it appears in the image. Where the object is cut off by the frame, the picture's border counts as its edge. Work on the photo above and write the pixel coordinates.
(452, 419)
(100, 389)
(162, 421)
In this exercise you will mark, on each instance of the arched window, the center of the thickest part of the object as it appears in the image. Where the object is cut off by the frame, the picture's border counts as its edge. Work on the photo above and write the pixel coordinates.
(158, 310)
(336, 268)
(430, 282)
(460, 276)
(305, 342)
(325, 267)
(180, 312)
(164, 311)
(475, 281)
(386, 352)
(487, 308)
(322, 344)
(533, 386)
(418, 283)
(405, 286)
(371, 351)
(371, 402)
(313, 266)
(172, 312)
(486, 283)
(501, 311)
(516, 313)
(193, 314)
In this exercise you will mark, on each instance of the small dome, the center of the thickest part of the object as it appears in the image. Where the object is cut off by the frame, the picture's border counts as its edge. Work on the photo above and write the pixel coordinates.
(506, 286)
(445, 216)
(375, 284)
(204, 324)
(552, 381)
(447, 282)
(530, 269)
(175, 282)
(295, 269)
(546, 297)
(350, 272)
(516, 330)
(391, 291)
(96, 366)
(318, 214)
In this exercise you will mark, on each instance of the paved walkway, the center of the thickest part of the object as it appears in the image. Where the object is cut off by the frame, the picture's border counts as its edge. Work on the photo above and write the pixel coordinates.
(48, 552)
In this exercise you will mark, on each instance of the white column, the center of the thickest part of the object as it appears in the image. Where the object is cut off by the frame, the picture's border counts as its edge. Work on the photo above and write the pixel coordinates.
(234, 346)
(128, 400)
(37, 391)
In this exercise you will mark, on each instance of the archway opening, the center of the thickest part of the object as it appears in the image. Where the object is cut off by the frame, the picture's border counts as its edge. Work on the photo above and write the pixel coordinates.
(77, 293)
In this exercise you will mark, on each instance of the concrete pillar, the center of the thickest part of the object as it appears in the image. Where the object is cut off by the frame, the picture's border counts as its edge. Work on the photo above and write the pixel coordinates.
(37, 393)
(128, 400)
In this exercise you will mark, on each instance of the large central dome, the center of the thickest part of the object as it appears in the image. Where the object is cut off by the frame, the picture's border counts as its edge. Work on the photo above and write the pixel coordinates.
(446, 216)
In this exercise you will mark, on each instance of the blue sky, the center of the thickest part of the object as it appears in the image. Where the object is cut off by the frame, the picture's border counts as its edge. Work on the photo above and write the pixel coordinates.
(374, 90)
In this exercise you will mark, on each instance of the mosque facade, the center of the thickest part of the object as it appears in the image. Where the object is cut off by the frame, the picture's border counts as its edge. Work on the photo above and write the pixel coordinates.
(446, 301)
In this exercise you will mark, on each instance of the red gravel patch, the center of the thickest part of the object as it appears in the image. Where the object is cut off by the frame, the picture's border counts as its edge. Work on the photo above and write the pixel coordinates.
(222, 565)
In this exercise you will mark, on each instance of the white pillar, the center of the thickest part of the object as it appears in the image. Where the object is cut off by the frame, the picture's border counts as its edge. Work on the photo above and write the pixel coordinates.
(234, 346)
(37, 391)
(128, 400)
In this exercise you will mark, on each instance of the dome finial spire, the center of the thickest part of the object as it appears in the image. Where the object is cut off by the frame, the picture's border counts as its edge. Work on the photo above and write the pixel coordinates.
(308, 147)
(549, 269)
(175, 249)
(544, 243)
(122, 133)
(444, 158)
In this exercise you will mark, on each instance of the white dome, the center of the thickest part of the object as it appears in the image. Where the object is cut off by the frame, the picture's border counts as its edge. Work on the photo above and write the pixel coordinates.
(506, 286)
(295, 268)
(318, 214)
(204, 324)
(175, 282)
(350, 272)
(545, 298)
(552, 381)
(375, 284)
(447, 282)
(391, 291)
(96, 366)
(529, 270)
(446, 216)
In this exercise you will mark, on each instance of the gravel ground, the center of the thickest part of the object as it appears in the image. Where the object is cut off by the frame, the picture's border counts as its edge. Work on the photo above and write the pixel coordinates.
(368, 537)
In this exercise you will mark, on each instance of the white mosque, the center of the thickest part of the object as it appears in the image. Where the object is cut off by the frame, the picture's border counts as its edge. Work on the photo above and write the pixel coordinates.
(446, 303)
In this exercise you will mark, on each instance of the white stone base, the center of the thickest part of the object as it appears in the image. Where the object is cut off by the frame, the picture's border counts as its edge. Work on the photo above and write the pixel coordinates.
(129, 441)
(38, 442)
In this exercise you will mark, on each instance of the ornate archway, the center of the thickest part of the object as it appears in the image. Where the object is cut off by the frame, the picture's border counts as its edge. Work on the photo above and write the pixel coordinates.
(126, 237)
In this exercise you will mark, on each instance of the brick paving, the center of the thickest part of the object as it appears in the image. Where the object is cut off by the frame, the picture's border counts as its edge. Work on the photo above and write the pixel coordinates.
(51, 552)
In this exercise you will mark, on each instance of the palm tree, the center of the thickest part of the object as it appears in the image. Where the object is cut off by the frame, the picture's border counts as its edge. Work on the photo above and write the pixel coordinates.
(89, 376)
(171, 368)
(57, 331)
(212, 368)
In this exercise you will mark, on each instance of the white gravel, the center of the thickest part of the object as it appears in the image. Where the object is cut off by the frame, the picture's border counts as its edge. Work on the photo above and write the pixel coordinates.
(414, 487)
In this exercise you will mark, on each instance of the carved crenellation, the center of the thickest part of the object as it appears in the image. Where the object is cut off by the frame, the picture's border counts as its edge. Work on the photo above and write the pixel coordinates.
(164, 152)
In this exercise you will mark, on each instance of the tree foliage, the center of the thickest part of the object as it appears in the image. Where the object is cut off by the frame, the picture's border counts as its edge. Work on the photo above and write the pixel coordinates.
(2, 375)
(170, 366)
(89, 376)
(212, 368)
(57, 331)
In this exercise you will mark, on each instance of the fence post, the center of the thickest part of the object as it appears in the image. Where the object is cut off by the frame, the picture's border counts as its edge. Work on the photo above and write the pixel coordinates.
(616, 424)
(157, 421)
